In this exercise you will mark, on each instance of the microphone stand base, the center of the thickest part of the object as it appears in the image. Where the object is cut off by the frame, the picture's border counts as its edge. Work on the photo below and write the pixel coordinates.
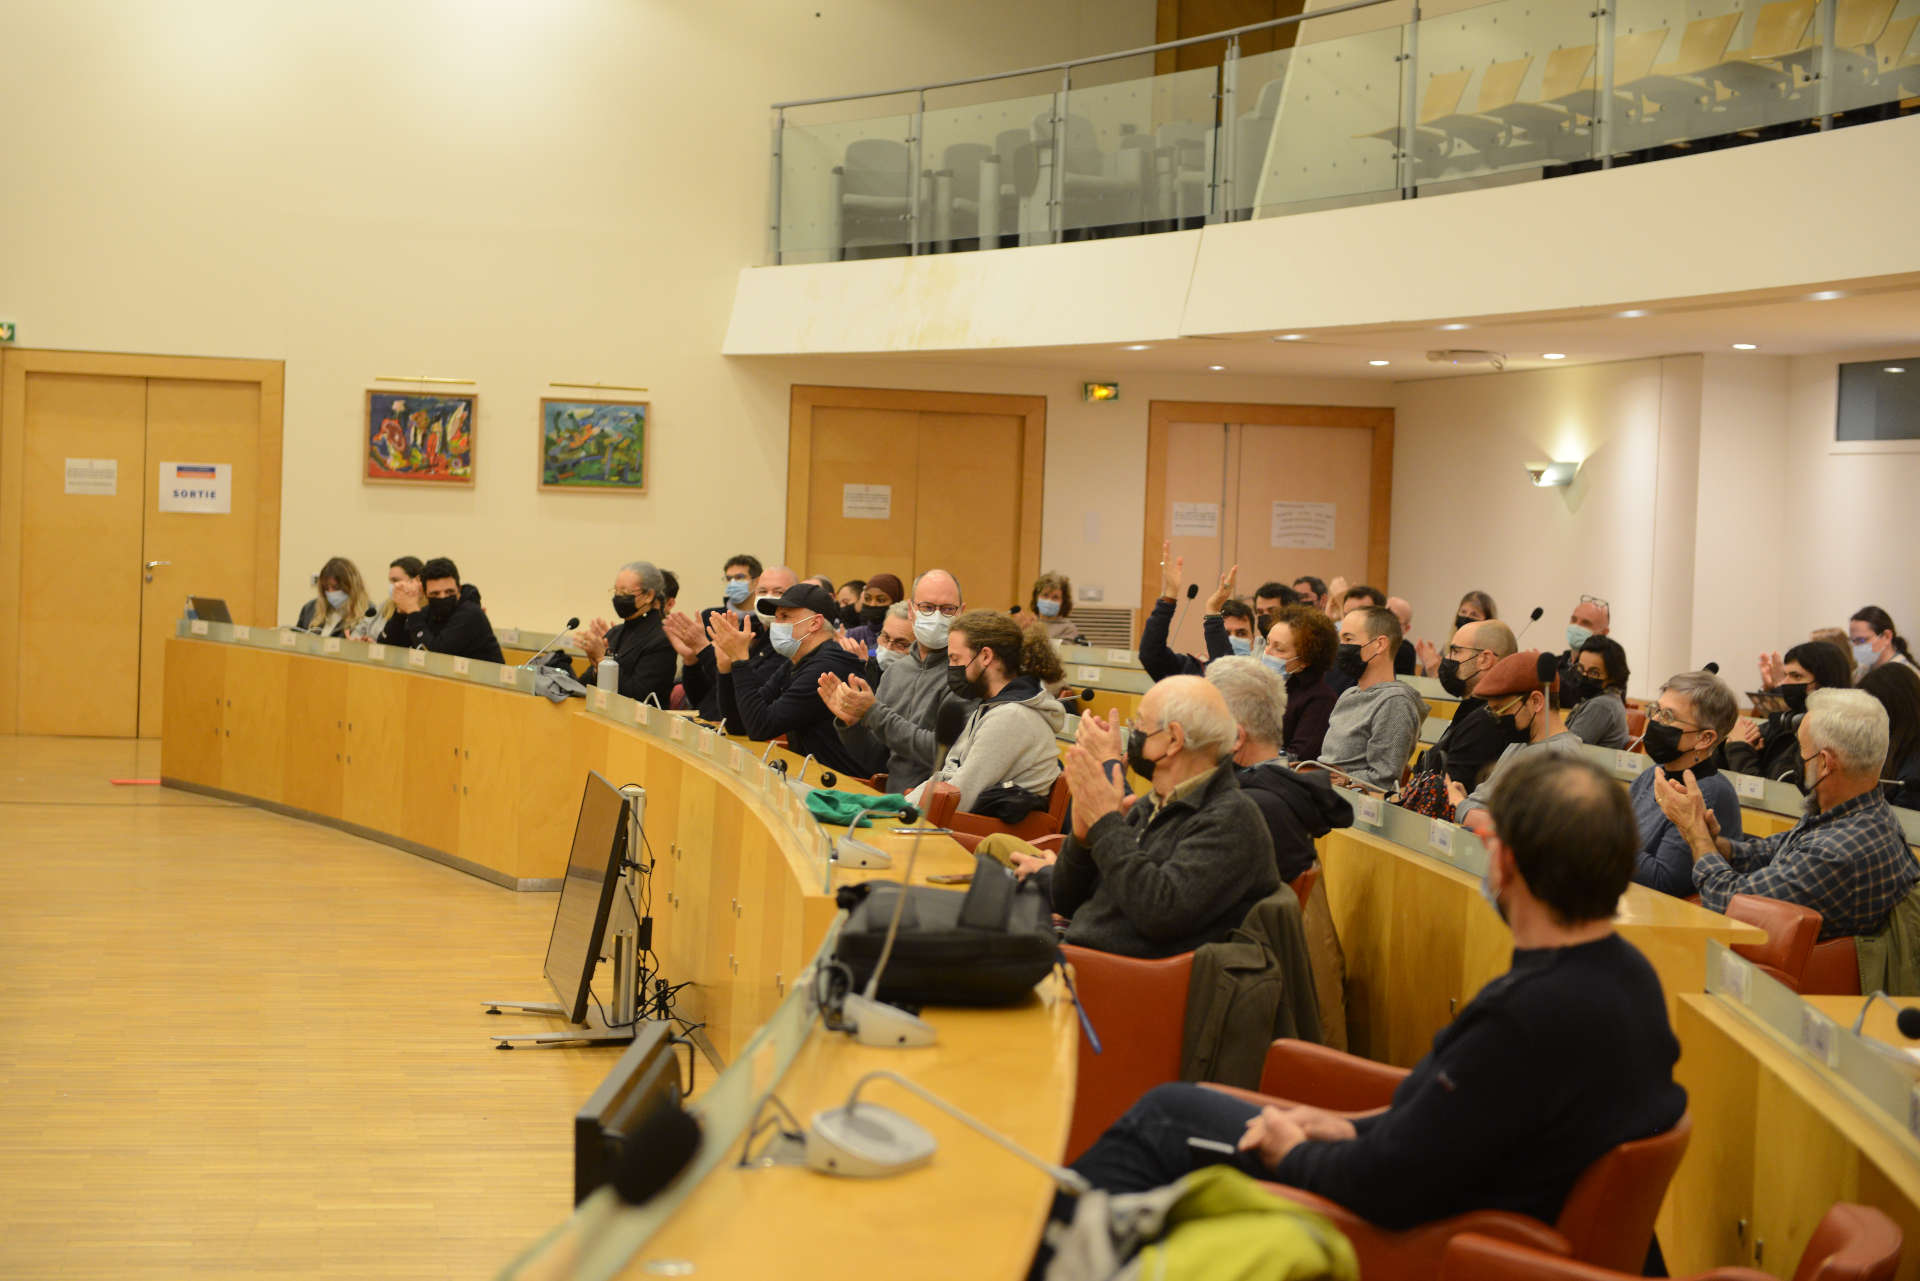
(886, 1026)
(866, 1141)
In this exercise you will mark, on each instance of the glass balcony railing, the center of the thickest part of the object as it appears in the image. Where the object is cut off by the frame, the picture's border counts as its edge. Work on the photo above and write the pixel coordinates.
(1360, 108)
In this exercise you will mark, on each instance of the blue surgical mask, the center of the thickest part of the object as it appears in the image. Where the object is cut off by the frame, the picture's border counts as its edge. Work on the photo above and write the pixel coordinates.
(1863, 655)
(337, 599)
(1048, 608)
(1578, 636)
(737, 590)
(785, 643)
(1241, 645)
(931, 629)
(1278, 666)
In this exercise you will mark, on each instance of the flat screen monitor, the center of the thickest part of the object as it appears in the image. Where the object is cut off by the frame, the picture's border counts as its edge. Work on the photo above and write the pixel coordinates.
(210, 609)
(630, 1122)
(586, 895)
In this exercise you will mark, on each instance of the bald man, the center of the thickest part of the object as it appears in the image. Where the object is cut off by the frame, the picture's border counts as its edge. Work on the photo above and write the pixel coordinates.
(1185, 863)
(1590, 617)
(1472, 741)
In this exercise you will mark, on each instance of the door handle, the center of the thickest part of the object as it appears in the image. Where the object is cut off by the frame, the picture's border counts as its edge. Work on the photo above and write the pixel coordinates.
(153, 565)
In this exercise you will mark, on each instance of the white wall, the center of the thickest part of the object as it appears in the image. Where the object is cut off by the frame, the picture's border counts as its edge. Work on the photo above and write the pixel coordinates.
(494, 190)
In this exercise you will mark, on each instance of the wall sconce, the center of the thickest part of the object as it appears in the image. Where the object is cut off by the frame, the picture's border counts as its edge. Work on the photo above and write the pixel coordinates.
(1552, 475)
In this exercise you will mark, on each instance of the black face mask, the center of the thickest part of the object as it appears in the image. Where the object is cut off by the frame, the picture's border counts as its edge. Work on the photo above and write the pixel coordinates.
(1795, 695)
(1450, 678)
(1576, 687)
(872, 615)
(440, 608)
(1663, 743)
(626, 606)
(1136, 754)
(1349, 663)
(850, 615)
(959, 685)
(1461, 620)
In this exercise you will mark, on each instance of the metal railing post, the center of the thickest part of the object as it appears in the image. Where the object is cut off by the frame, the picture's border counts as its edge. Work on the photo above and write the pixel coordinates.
(1057, 171)
(915, 177)
(1222, 194)
(1409, 104)
(1827, 23)
(1604, 105)
(773, 189)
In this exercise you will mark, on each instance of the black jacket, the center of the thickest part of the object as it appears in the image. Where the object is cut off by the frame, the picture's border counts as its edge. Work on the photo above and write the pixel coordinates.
(700, 680)
(1471, 744)
(645, 655)
(1310, 701)
(1161, 662)
(465, 634)
(1299, 808)
(786, 700)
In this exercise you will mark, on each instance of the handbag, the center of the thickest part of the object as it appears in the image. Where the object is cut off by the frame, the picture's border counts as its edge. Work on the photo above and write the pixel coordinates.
(987, 945)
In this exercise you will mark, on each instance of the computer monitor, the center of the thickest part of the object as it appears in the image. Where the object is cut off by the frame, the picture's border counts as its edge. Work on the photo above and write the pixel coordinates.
(210, 609)
(631, 1132)
(586, 895)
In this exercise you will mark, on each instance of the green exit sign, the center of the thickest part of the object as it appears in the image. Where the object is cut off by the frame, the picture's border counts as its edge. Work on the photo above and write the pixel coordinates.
(6, 331)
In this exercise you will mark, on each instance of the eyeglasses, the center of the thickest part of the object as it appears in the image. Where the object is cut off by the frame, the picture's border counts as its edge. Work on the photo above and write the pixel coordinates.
(1460, 653)
(1595, 600)
(929, 610)
(1135, 725)
(1659, 715)
(898, 645)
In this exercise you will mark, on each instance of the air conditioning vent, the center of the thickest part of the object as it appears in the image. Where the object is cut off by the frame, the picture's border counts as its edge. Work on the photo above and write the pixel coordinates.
(1108, 626)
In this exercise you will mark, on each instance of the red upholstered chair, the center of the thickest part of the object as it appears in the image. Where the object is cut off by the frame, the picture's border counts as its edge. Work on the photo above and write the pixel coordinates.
(1414, 1255)
(1636, 726)
(943, 810)
(971, 841)
(1327, 1078)
(1303, 884)
(1852, 1243)
(1138, 1010)
(1833, 969)
(1791, 933)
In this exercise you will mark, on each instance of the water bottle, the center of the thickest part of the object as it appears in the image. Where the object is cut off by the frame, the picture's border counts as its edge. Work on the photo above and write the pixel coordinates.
(607, 675)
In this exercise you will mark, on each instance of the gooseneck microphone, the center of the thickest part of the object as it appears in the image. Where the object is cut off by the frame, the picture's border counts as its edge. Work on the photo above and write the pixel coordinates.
(562, 635)
(1193, 590)
(1906, 1018)
(1532, 618)
(850, 851)
(873, 1021)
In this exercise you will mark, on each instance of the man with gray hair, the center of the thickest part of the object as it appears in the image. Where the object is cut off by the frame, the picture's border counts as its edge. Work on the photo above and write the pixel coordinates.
(638, 642)
(1298, 807)
(899, 715)
(1181, 866)
(1847, 859)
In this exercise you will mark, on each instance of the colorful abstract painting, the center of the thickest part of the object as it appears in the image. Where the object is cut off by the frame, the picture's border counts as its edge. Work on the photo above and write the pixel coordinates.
(411, 436)
(593, 444)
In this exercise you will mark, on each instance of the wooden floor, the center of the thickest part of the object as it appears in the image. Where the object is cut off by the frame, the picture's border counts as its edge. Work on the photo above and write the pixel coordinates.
(239, 1045)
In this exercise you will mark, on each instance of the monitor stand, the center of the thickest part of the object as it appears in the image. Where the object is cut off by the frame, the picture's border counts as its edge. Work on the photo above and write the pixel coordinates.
(593, 1032)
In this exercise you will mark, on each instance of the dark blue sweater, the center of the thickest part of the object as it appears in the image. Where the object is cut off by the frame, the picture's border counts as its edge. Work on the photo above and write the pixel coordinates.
(1665, 863)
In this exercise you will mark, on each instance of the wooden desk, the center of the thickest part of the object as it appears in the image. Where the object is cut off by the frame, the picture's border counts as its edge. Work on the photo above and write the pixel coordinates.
(1421, 940)
(1777, 1140)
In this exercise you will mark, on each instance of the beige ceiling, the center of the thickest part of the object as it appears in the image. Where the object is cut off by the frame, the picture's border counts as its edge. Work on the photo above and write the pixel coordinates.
(1879, 313)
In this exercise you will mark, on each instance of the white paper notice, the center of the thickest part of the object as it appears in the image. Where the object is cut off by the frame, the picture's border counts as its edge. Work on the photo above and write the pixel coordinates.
(204, 489)
(1303, 525)
(1199, 520)
(866, 502)
(99, 477)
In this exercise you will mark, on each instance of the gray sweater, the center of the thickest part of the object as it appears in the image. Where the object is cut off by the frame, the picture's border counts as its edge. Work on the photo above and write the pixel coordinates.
(1564, 742)
(1007, 739)
(901, 719)
(1601, 721)
(1371, 732)
(1162, 879)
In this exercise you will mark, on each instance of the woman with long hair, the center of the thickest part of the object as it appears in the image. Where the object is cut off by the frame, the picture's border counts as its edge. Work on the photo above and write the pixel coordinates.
(339, 606)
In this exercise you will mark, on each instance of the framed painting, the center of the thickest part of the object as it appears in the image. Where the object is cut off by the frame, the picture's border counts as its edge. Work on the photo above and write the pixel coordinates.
(420, 437)
(593, 444)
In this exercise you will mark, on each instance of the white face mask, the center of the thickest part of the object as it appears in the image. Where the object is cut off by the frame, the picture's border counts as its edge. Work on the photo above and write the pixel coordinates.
(887, 657)
(931, 629)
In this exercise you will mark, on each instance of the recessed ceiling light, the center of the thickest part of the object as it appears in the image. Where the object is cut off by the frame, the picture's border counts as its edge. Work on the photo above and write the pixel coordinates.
(1634, 314)
(1745, 346)
(1827, 295)
(1455, 325)
(1376, 362)
(1135, 346)
(1553, 355)
(1216, 368)
(1896, 369)
(1288, 337)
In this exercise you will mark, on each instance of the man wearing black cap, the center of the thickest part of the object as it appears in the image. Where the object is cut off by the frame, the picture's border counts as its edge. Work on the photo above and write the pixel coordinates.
(787, 701)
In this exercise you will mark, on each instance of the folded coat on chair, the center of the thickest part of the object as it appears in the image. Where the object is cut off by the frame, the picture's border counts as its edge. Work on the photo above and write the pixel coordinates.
(1246, 992)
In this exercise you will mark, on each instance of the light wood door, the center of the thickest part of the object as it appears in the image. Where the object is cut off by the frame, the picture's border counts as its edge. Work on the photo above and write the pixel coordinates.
(963, 478)
(1200, 496)
(79, 656)
(198, 421)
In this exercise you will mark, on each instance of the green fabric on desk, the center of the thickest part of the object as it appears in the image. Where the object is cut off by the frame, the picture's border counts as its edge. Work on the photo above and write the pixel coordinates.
(840, 808)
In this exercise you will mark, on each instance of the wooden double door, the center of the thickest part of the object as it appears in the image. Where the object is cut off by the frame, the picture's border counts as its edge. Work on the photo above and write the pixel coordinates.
(906, 481)
(96, 562)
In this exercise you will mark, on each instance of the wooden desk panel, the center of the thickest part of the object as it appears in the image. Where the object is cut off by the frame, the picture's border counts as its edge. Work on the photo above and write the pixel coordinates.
(373, 790)
(314, 777)
(254, 751)
(430, 762)
(193, 713)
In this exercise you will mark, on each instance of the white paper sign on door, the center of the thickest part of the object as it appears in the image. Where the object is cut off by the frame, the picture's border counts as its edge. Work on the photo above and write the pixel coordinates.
(866, 502)
(1197, 520)
(97, 477)
(204, 489)
(1303, 525)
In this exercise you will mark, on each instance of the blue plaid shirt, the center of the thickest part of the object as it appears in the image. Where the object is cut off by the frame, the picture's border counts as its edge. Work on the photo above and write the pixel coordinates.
(1851, 864)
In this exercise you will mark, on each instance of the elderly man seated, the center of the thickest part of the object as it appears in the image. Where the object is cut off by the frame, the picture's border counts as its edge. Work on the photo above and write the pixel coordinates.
(1847, 859)
(1182, 865)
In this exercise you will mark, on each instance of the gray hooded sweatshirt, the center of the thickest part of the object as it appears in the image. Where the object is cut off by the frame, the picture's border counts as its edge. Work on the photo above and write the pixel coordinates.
(1008, 739)
(1371, 732)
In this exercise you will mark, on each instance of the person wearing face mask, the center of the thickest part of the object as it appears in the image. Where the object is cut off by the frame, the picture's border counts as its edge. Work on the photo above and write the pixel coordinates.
(1299, 648)
(1052, 602)
(1847, 859)
(692, 638)
(1768, 748)
(1474, 607)
(1591, 617)
(877, 596)
(1547, 1069)
(340, 606)
(1184, 864)
(1594, 690)
(1692, 716)
(847, 597)
(897, 718)
(1271, 597)
(1299, 808)
(1517, 692)
(638, 642)
(1376, 722)
(405, 595)
(1875, 641)
(1008, 743)
(452, 620)
(1473, 740)
(1159, 660)
(782, 697)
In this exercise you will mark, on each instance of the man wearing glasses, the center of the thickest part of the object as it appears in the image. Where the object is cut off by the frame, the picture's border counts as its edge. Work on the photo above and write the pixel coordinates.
(1515, 690)
(900, 715)
(1472, 742)
(1591, 617)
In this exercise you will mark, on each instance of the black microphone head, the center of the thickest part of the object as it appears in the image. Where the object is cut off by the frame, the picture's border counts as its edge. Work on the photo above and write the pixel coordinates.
(1193, 589)
(1534, 617)
(1547, 667)
(908, 814)
(572, 623)
(1712, 667)
(1014, 610)
(1086, 695)
(1908, 1021)
(779, 765)
(828, 778)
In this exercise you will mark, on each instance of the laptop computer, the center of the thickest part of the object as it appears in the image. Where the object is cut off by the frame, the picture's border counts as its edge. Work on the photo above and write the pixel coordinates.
(211, 609)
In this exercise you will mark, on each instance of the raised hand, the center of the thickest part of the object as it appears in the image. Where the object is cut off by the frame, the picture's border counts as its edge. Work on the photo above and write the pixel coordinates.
(1172, 572)
(1101, 737)
(856, 700)
(732, 642)
(1772, 671)
(1094, 794)
(852, 646)
(685, 635)
(1224, 592)
(1429, 658)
